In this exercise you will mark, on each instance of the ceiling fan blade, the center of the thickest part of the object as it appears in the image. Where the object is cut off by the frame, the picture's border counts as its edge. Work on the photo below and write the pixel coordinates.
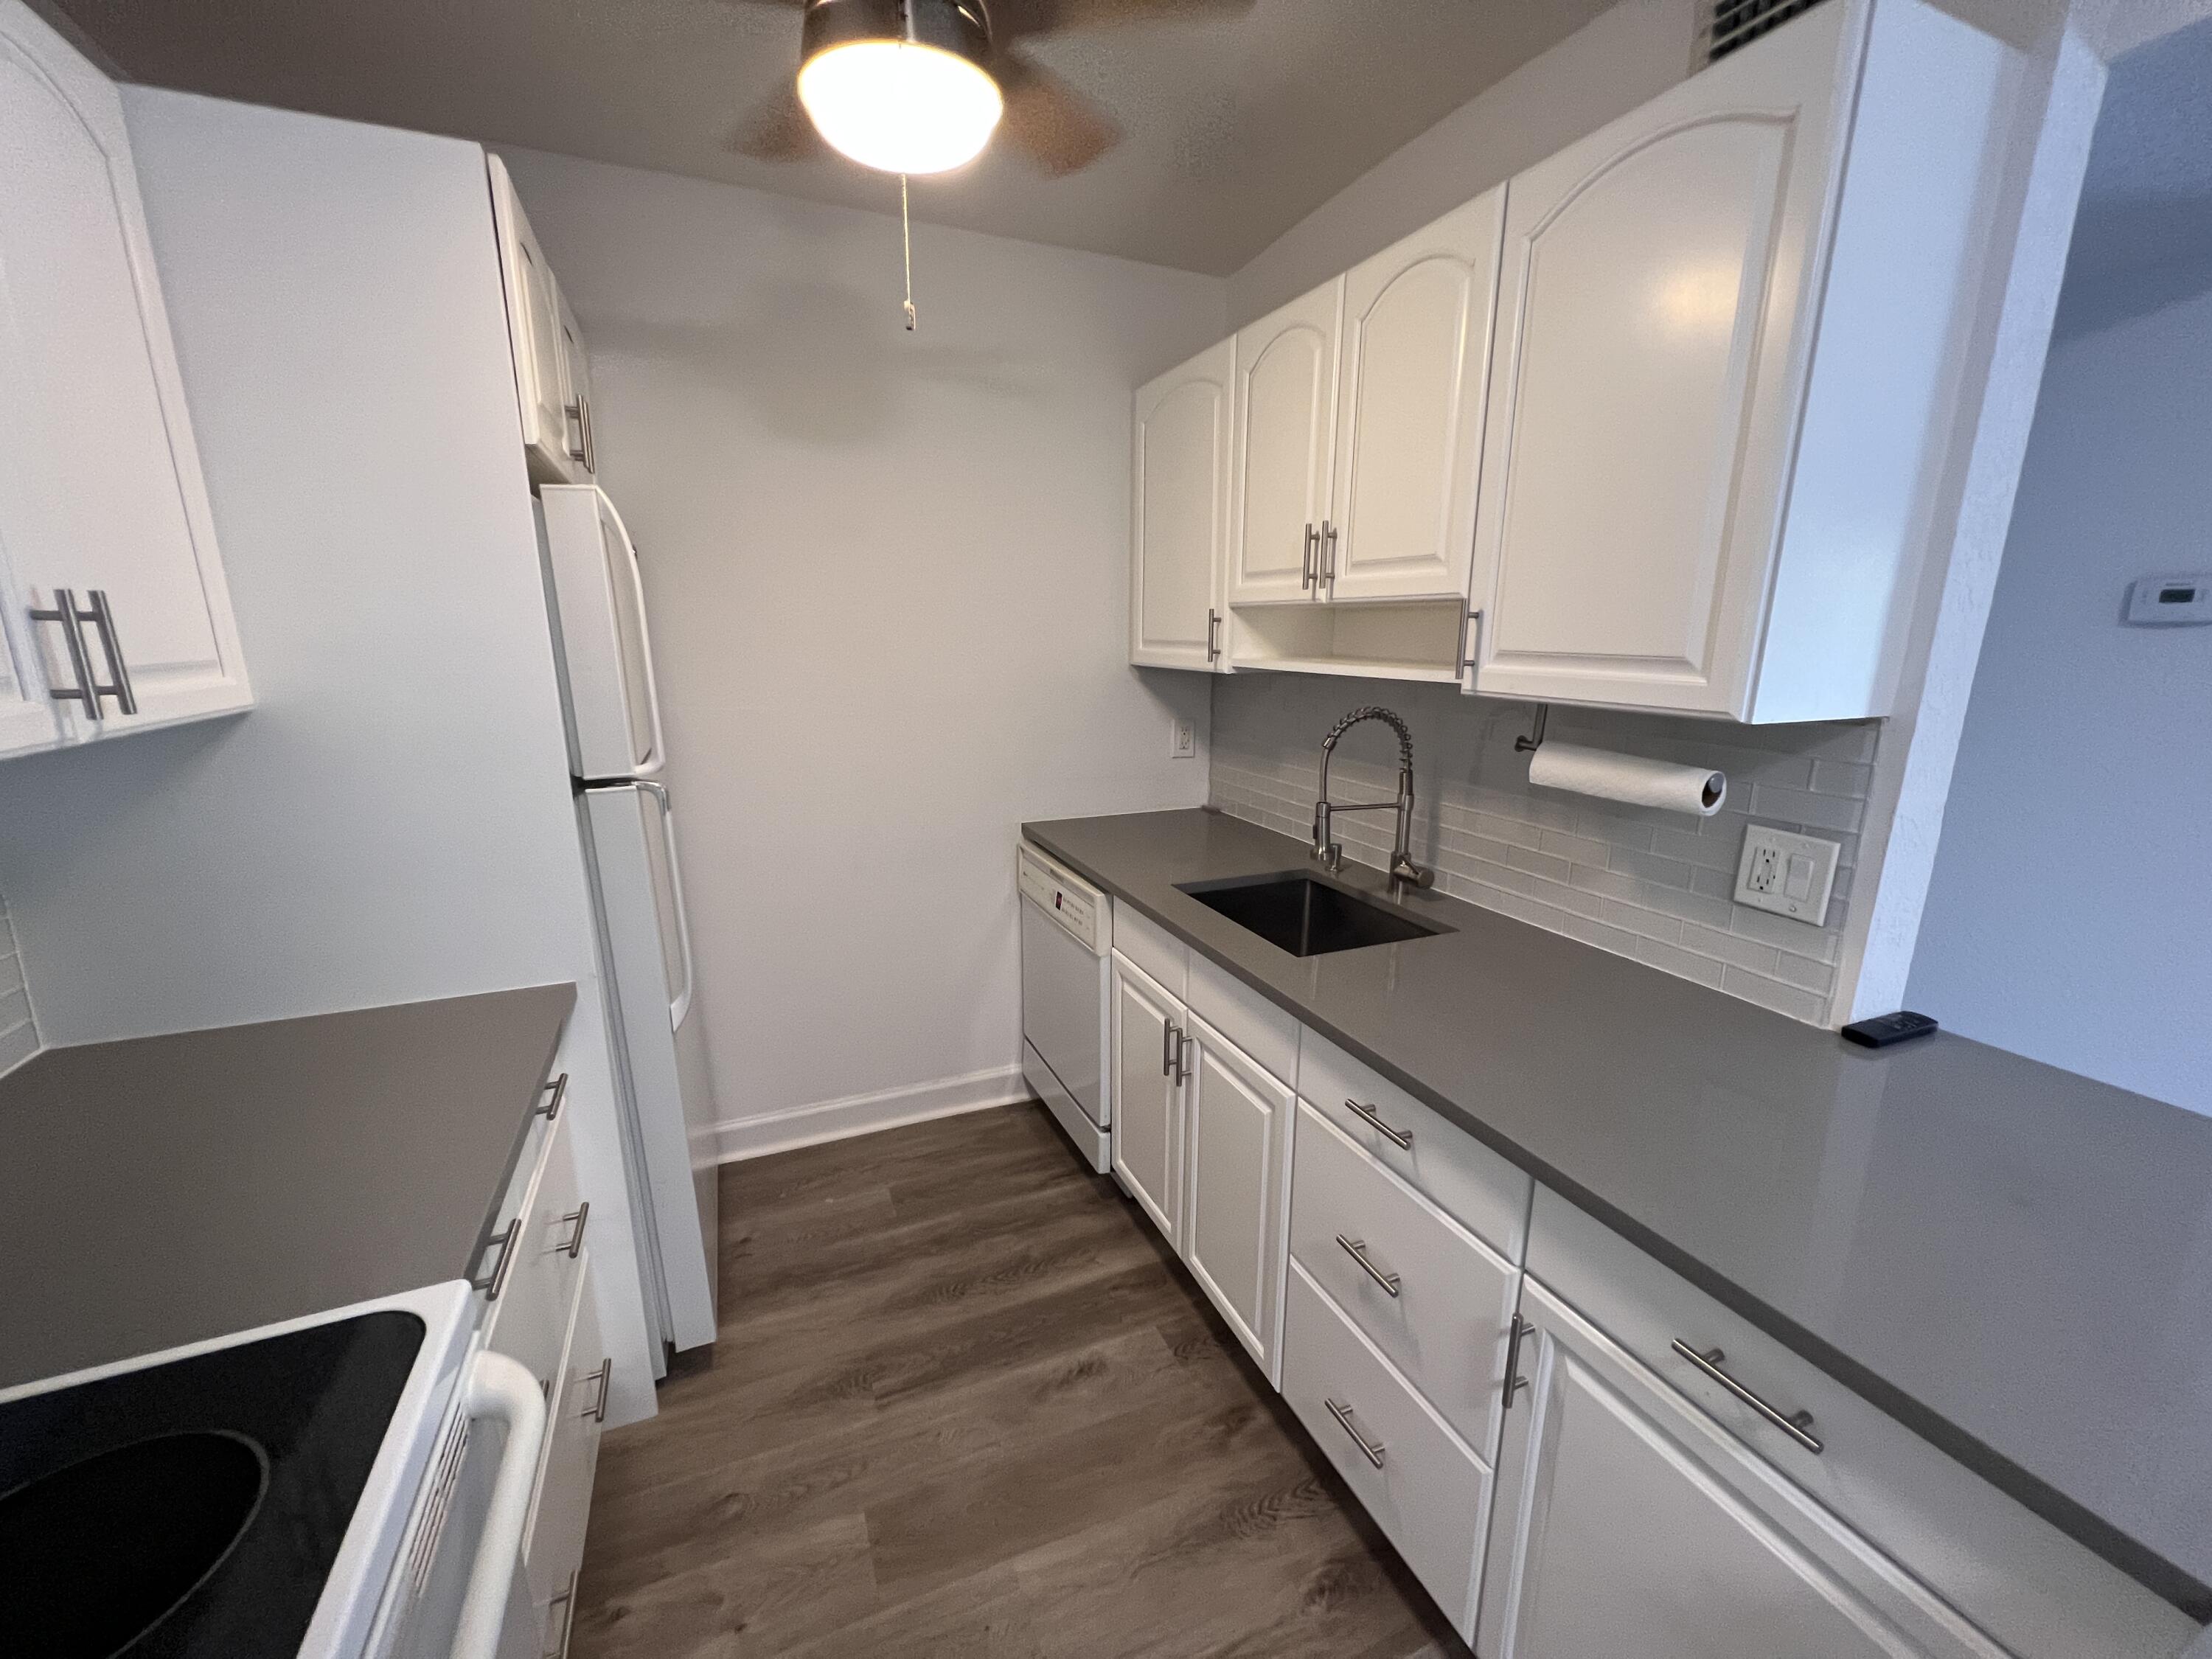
(1010, 20)
(1059, 128)
(779, 129)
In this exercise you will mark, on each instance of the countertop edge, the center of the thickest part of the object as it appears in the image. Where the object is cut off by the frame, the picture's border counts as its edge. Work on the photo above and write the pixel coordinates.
(488, 1232)
(2083, 1525)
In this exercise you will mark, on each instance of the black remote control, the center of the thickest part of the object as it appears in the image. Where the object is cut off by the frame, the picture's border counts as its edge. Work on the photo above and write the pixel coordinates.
(1885, 1028)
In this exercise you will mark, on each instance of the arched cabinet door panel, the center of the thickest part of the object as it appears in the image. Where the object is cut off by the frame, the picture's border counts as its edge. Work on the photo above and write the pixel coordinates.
(1285, 447)
(1414, 365)
(1179, 515)
(101, 491)
(1657, 296)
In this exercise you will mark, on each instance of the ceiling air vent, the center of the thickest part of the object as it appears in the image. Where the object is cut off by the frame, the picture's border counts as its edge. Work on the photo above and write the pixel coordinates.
(1724, 25)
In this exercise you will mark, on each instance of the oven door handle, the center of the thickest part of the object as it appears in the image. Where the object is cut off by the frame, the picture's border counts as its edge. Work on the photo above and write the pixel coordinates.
(502, 1390)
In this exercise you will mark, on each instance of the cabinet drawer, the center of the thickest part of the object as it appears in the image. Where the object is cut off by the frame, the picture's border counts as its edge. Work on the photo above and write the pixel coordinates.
(2027, 1584)
(1265, 1033)
(553, 1548)
(1152, 948)
(1469, 1182)
(1429, 1493)
(528, 1317)
(1443, 1322)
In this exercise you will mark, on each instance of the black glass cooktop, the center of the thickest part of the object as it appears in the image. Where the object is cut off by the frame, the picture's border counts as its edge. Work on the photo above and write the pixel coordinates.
(194, 1508)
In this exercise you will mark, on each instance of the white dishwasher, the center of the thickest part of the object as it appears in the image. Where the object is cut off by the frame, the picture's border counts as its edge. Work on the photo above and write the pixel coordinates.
(1065, 1007)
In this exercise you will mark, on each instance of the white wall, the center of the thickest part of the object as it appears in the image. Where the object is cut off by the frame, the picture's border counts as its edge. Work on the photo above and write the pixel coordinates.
(2070, 918)
(886, 575)
(1607, 67)
(392, 821)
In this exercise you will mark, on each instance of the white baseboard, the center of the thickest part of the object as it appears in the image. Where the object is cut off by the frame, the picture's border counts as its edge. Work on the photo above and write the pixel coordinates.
(862, 1114)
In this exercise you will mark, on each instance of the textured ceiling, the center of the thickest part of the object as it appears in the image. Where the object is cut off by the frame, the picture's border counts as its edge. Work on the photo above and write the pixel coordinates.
(1237, 126)
(2144, 235)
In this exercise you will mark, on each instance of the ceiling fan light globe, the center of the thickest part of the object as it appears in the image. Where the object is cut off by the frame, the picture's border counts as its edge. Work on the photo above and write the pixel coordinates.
(901, 106)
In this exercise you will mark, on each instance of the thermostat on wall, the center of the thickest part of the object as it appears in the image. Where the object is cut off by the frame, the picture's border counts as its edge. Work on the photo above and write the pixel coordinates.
(2170, 601)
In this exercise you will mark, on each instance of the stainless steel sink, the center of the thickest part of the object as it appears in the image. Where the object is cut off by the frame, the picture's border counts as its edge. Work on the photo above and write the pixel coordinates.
(1308, 918)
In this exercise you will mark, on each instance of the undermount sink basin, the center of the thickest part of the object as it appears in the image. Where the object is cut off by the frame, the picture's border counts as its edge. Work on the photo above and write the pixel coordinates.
(1306, 917)
(95, 1554)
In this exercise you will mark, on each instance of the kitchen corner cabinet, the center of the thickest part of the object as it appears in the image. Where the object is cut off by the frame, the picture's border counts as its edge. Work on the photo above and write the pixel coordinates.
(1179, 515)
(551, 375)
(1721, 385)
(102, 497)
(1627, 1521)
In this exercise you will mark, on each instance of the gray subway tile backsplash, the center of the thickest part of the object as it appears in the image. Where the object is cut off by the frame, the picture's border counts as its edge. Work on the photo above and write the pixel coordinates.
(1655, 886)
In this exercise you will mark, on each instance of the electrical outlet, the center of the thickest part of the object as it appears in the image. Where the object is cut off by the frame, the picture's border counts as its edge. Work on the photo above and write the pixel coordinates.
(1790, 875)
(1183, 738)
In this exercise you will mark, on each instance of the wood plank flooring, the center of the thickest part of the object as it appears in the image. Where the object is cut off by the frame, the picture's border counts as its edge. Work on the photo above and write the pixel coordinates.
(964, 1404)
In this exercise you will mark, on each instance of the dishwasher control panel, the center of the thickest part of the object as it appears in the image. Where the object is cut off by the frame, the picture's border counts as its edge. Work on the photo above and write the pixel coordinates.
(1069, 900)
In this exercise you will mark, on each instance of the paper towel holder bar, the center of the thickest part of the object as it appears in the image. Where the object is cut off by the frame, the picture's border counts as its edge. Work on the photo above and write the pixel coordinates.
(1534, 740)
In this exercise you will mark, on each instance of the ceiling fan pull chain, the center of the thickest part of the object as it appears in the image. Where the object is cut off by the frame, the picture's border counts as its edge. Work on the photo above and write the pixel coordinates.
(906, 242)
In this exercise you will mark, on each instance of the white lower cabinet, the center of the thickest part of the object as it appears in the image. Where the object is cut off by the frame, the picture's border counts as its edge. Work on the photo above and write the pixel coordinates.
(1148, 1109)
(1374, 1259)
(1435, 1300)
(1427, 1491)
(1628, 1521)
(553, 1548)
(1239, 1154)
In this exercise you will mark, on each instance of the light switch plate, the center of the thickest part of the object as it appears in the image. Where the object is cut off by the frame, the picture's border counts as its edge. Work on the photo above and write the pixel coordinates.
(1789, 874)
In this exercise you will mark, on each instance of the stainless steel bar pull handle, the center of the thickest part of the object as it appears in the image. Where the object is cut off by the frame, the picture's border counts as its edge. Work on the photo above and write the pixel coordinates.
(65, 612)
(566, 1600)
(581, 1216)
(1373, 1449)
(590, 441)
(1515, 1333)
(102, 617)
(1798, 1425)
(558, 1088)
(597, 1411)
(1212, 635)
(1328, 555)
(1307, 566)
(573, 414)
(1357, 1250)
(496, 1281)
(1167, 1048)
(1402, 1139)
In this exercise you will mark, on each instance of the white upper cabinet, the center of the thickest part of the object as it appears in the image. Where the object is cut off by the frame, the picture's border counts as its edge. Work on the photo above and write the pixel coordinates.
(1285, 448)
(1685, 504)
(101, 499)
(542, 333)
(1414, 363)
(1179, 515)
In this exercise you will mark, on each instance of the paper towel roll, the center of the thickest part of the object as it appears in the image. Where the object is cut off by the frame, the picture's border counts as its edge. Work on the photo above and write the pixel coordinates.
(1630, 778)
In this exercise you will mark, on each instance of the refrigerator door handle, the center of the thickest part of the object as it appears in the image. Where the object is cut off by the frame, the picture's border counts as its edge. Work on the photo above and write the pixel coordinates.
(679, 1006)
(645, 643)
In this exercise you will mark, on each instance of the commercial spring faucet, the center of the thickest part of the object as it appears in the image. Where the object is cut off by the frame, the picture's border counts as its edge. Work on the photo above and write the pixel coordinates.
(1403, 870)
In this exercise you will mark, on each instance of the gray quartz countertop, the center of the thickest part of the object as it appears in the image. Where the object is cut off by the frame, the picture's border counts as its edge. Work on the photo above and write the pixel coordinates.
(166, 1190)
(2015, 1262)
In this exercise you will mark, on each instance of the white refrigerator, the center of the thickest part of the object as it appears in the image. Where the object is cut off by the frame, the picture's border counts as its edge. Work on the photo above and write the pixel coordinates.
(626, 820)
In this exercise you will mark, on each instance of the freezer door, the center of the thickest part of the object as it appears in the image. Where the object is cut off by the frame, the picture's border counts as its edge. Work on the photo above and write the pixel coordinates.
(646, 945)
(606, 653)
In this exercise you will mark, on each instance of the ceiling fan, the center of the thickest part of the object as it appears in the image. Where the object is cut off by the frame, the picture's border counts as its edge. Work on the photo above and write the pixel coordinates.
(918, 86)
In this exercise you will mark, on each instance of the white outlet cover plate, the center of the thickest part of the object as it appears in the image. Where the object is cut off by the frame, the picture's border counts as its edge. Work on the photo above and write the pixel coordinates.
(1791, 875)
